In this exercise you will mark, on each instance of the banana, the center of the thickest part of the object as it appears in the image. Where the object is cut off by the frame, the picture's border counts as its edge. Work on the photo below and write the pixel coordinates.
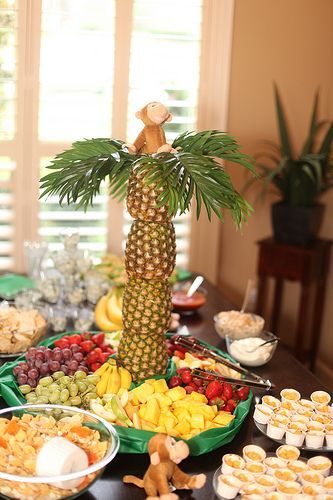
(125, 378)
(102, 369)
(101, 387)
(99, 409)
(119, 411)
(113, 309)
(114, 381)
(101, 319)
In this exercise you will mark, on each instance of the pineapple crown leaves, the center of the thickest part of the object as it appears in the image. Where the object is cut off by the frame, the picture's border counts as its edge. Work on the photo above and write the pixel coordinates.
(193, 171)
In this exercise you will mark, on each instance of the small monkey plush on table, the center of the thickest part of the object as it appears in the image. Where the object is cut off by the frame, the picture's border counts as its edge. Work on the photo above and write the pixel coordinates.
(165, 455)
(152, 138)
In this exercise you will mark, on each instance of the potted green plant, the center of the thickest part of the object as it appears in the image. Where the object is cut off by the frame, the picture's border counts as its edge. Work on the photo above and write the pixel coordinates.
(300, 179)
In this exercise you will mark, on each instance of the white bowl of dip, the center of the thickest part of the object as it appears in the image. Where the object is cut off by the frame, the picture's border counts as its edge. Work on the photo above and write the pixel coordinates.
(240, 349)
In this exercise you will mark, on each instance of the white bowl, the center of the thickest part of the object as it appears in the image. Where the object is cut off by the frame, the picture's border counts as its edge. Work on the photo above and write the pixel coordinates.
(237, 324)
(240, 348)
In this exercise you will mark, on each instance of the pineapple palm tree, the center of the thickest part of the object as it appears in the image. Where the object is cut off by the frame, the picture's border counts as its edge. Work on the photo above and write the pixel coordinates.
(158, 187)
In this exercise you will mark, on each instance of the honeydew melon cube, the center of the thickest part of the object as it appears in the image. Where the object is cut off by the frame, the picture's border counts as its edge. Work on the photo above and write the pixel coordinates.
(176, 393)
(223, 418)
(153, 412)
(196, 396)
(160, 385)
(197, 421)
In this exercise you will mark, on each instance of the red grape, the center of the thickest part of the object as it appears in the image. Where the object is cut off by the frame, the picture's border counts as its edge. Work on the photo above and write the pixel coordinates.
(33, 373)
(73, 364)
(30, 353)
(75, 348)
(78, 356)
(39, 363)
(31, 363)
(83, 368)
(64, 369)
(22, 378)
(44, 369)
(57, 356)
(32, 382)
(39, 354)
(54, 366)
(48, 354)
(67, 353)
(17, 370)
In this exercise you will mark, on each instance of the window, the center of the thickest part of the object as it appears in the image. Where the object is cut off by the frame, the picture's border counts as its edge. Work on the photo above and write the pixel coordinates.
(65, 66)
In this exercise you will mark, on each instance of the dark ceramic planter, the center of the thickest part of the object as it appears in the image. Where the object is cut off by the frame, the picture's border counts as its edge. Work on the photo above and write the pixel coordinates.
(296, 225)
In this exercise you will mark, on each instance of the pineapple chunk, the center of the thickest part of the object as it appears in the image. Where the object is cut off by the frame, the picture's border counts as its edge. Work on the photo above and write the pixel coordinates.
(150, 381)
(160, 385)
(162, 399)
(142, 411)
(197, 421)
(207, 412)
(181, 403)
(196, 396)
(211, 425)
(176, 393)
(215, 409)
(143, 392)
(147, 426)
(168, 421)
(223, 418)
(182, 414)
(161, 429)
(183, 427)
(152, 413)
(174, 433)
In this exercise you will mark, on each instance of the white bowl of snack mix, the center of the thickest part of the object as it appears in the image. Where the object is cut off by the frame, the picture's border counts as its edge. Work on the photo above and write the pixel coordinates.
(237, 324)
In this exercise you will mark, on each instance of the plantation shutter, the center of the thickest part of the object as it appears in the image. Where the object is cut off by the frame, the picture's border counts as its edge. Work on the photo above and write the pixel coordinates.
(8, 109)
(165, 66)
(75, 99)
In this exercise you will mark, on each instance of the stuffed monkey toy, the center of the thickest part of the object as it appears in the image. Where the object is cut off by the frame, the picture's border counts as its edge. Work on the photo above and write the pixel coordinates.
(152, 138)
(165, 455)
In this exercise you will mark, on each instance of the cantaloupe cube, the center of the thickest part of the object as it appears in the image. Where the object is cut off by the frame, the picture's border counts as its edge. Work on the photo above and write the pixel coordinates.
(197, 421)
(176, 393)
(196, 396)
(152, 413)
(143, 392)
(183, 427)
(160, 385)
(223, 418)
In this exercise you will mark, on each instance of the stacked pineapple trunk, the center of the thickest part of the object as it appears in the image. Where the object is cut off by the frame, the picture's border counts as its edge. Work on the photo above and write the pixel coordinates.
(150, 257)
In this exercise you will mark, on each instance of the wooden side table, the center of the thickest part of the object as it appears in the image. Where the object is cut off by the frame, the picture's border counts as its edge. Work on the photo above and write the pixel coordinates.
(308, 265)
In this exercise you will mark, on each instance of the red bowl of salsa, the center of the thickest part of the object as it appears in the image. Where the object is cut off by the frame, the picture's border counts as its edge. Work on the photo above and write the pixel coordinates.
(183, 304)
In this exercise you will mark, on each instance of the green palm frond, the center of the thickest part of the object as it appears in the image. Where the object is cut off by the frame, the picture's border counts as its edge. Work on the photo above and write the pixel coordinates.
(184, 175)
(77, 173)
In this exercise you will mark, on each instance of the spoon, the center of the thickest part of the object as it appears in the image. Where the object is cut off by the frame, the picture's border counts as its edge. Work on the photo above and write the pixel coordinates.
(195, 285)
(247, 295)
(264, 343)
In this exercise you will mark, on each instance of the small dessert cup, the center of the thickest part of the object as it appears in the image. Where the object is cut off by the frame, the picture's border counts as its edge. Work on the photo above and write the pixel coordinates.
(306, 412)
(228, 486)
(252, 489)
(313, 425)
(320, 464)
(328, 484)
(297, 466)
(262, 413)
(271, 402)
(274, 463)
(311, 477)
(295, 437)
(289, 405)
(288, 453)
(320, 397)
(306, 403)
(255, 468)
(232, 462)
(314, 439)
(323, 410)
(269, 483)
(244, 476)
(275, 429)
(283, 412)
(283, 475)
(314, 491)
(289, 488)
(290, 395)
(329, 435)
(253, 453)
(300, 419)
(275, 495)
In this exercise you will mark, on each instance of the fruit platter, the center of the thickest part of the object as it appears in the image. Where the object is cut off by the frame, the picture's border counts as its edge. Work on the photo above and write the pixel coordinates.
(80, 370)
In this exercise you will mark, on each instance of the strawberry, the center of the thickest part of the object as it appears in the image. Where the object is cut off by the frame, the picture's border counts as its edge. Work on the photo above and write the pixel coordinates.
(194, 386)
(174, 381)
(87, 345)
(93, 357)
(230, 406)
(198, 381)
(186, 377)
(180, 354)
(95, 366)
(98, 338)
(103, 357)
(219, 402)
(213, 389)
(62, 343)
(227, 390)
(243, 393)
(188, 389)
(74, 339)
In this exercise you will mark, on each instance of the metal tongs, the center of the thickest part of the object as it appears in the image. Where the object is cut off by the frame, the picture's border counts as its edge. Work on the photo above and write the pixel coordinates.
(251, 379)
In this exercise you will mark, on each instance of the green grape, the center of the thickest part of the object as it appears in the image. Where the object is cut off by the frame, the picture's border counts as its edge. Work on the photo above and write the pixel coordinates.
(53, 387)
(91, 388)
(58, 375)
(75, 401)
(38, 390)
(90, 395)
(31, 397)
(73, 389)
(45, 381)
(42, 400)
(93, 379)
(44, 391)
(65, 380)
(54, 397)
(81, 386)
(64, 395)
(80, 375)
(25, 389)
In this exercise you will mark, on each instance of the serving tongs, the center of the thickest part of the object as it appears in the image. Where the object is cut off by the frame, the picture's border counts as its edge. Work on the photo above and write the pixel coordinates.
(251, 379)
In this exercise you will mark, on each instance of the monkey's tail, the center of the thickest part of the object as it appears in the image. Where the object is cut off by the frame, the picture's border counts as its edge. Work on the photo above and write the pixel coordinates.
(133, 480)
